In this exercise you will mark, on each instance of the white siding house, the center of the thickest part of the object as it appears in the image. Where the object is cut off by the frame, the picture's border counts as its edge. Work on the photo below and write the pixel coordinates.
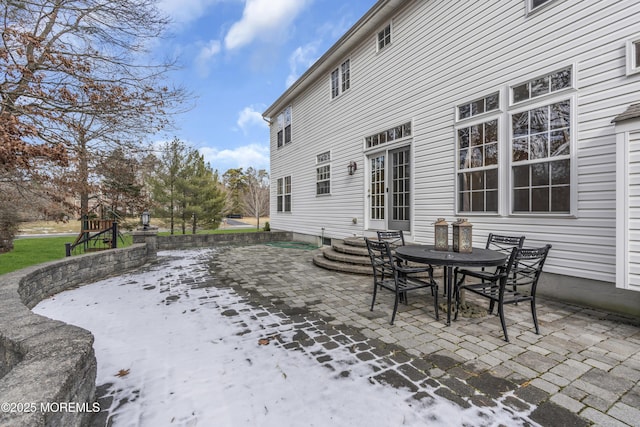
(500, 112)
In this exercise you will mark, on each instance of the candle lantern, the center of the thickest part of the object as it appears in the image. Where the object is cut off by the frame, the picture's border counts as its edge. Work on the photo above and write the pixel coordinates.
(441, 234)
(462, 238)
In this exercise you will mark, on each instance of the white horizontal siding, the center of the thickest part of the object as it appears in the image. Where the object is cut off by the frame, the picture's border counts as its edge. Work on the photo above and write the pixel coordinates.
(446, 53)
(633, 201)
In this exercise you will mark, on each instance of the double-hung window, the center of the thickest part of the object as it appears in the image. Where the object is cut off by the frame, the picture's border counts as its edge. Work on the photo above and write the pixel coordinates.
(284, 127)
(284, 194)
(341, 79)
(323, 173)
(541, 144)
(477, 138)
(384, 37)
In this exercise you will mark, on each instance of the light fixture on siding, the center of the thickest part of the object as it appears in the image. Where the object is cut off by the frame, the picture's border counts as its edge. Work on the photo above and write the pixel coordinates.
(352, 168)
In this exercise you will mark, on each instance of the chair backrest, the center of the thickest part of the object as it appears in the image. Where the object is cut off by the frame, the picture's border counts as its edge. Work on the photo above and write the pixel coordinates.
(381, 258)
(395, 237)
(524, 267)
(503, 243)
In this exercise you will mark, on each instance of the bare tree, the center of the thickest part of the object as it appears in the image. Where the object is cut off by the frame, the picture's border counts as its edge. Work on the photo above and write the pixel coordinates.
(77, 82)
(256, 194)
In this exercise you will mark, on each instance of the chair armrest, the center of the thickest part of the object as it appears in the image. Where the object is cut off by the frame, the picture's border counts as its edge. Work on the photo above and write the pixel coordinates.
(484, 275)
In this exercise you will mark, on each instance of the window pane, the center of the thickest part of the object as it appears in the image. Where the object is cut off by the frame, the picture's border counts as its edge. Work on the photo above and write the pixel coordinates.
(477, 135)
(477, 181)
(560, 115)
(463, 137)
(536, 3)
(521, 93)
(491, 182)
(464, 202)
(491, 154)
(287, 203)
(560, 199)
(477, 201)
(540, 86)
(520, 124)
(464, 111)
(464, 183)
(464, 159)
(539, 119)
(521, 176)
(559, 143)
(280, 139)
(540, 200)
(520, 149)
(539, 146)
(492, 201)
(540, 174)
(491, 131)
(280, 204)
(561, 80)
(476, 157)
(636, 48)
(477, 107)
(560, 172)
(493, 102)
(521, 200)
(287, 134)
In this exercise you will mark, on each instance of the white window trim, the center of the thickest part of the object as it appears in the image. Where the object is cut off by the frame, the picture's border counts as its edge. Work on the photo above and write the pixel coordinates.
(573, 158)
(632, 68)
(284, 194)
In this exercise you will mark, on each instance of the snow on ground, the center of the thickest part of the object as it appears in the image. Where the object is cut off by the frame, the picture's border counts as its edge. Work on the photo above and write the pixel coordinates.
(167, 344)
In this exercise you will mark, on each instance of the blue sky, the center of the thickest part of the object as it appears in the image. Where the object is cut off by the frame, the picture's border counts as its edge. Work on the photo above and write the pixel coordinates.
(238, 57)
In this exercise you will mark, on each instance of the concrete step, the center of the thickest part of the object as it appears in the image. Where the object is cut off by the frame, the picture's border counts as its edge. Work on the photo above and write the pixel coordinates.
(337, 255)
(320, 260)
(347, 248)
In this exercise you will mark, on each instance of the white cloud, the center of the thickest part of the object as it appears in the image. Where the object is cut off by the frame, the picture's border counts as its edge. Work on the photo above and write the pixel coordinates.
(300, 60)
(185, 11)
(262, 19)
(252, 155)
(207, 52)
(250, 117)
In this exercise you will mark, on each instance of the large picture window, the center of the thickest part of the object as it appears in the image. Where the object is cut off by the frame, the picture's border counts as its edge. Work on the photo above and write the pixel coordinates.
(518, 159)
(284, 194)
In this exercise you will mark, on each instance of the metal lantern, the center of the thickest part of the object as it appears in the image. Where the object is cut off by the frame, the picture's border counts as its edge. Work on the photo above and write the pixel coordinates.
(441, 234)
(145, 218)
(462, 237)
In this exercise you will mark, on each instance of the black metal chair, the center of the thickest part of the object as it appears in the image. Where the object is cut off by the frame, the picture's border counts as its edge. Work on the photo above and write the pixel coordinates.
(394, 237)
(512, 283)
(389, 273)
(495, 242)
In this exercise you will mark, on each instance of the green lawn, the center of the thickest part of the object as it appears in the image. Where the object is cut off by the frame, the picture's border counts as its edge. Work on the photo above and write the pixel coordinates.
(31, 251)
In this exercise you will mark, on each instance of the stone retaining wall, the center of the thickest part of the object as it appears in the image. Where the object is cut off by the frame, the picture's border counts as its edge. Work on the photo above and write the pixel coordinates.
(48, 362)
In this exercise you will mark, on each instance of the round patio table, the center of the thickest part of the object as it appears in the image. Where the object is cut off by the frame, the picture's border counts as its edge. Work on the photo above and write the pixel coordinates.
(427, 254)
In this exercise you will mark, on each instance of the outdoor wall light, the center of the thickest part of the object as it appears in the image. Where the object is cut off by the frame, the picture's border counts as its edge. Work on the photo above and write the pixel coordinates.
(352, 168)
(145, 218)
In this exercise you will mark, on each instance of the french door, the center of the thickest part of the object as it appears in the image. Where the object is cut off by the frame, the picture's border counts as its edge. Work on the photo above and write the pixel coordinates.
(389, 192)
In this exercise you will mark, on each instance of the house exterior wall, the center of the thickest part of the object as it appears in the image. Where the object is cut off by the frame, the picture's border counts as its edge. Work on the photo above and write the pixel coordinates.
(442, 55)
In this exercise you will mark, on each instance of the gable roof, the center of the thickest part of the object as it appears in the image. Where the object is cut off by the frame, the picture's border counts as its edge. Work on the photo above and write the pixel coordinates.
(380, 12)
